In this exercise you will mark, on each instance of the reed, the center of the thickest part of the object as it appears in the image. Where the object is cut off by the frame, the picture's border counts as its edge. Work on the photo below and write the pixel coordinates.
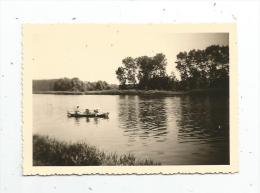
(51, 152)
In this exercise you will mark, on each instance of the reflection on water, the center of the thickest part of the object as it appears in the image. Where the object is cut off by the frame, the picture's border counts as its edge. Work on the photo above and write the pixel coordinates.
(143, 118)
(202, 119)
(171, 130)
(205, 120)
(79, 120)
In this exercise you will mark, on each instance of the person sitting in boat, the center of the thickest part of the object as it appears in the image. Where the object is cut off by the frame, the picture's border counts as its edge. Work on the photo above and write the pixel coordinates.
(77, 110)
(96, 112)
(87, 111)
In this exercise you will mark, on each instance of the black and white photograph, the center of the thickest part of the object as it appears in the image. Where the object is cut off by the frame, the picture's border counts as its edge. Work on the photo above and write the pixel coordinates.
(128, 95)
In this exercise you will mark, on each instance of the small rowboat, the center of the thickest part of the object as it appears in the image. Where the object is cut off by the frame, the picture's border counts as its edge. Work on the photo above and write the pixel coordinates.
(80, 114)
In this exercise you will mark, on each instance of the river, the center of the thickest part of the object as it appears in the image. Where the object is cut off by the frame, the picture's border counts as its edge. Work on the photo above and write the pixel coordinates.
(176, 130)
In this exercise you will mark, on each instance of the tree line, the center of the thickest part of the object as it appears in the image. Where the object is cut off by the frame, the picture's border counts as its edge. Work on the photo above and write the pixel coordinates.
(198, 69)
(70, 84)
(145, 73)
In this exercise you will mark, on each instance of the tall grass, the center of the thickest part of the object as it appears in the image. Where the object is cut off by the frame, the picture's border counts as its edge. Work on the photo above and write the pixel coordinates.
(50, 152)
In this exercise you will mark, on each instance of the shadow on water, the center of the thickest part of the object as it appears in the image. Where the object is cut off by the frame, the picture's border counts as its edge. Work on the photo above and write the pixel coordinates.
(79, 120)
(143, 117)
(205, 120)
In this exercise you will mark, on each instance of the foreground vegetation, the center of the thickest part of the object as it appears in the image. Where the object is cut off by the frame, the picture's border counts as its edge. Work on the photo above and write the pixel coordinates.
(50, 152)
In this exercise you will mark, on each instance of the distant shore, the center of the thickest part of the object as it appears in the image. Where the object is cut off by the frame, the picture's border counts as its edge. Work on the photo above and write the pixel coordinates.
(137, 92)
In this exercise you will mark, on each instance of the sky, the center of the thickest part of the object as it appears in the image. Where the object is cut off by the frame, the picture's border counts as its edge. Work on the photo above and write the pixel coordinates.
(93, 52)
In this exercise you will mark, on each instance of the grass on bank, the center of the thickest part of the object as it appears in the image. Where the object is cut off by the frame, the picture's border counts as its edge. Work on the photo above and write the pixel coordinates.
(50, 152)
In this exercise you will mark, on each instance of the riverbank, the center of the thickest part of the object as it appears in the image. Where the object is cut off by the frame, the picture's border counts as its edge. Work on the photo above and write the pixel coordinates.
(51, 152)
(137, 92)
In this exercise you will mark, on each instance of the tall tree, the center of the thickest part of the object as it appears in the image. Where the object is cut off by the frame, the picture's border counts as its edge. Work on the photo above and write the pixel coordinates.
(151, 68)
(121, 75)
(159, 65)
(145, 68)
(130, 68)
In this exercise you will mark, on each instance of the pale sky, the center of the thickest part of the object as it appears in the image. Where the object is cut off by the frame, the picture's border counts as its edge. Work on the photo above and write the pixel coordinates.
(94, 52)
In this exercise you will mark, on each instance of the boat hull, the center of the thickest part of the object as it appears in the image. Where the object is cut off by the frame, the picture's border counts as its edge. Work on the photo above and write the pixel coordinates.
(77, 115)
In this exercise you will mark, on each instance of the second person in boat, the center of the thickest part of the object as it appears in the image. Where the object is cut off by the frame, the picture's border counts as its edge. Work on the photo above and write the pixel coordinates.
(96, 112)
(87, 112)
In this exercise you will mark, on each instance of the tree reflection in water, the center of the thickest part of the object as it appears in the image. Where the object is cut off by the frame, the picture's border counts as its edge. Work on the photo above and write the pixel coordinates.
(205, 120)
(143, 117)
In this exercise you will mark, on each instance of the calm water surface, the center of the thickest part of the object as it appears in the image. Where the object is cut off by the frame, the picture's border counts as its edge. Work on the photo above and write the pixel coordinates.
(171, 130)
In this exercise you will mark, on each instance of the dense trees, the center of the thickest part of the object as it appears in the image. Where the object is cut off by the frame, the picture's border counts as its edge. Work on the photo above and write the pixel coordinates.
(44, 85)
(199, 69)
(130, 67)
(67, 84)
(150, 72)
(208, 68)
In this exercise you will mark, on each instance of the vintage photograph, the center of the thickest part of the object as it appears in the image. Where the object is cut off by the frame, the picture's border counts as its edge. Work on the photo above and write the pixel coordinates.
(129, 95)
